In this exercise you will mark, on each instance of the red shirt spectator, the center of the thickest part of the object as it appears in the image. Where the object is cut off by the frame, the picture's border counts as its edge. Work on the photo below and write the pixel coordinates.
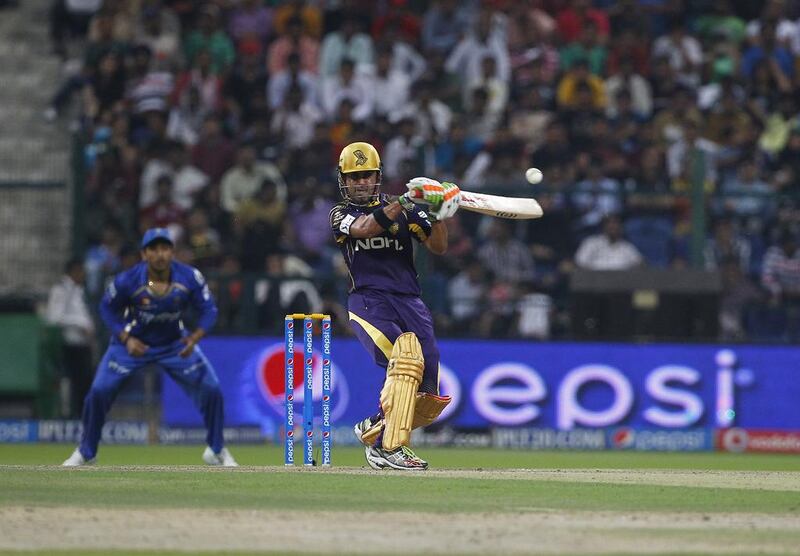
(571, 21)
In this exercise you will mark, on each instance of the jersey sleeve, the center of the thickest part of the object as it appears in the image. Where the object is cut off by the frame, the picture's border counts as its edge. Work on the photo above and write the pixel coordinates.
(419, 224)
(341, 219)
(202, 301)
(115, 300)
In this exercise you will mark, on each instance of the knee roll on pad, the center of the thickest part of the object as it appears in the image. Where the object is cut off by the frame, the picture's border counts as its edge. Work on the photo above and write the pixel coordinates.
(399, 393)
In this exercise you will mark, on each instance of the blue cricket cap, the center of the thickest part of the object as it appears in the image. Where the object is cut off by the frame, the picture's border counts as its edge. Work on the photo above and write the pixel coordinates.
(153, 234)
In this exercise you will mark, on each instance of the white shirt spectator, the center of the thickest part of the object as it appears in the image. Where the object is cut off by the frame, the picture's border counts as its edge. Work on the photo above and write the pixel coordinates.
(467, 57)
(407, 60)
(391, 92)
(398, 149)
(639, 88)
(280, 83)
(359, 91)
(67, 308)
(336, 47)
(780, 272)
(787, 33)
(597, 252)
(685, 55)
(239, 184)
(296, 126)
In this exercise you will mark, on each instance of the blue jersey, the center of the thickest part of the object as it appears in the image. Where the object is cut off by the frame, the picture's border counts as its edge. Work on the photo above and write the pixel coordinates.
(384, 262)
(156, 320)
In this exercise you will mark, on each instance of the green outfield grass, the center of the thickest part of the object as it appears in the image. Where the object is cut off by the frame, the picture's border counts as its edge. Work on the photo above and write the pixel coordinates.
(440, 458)
(28, 478)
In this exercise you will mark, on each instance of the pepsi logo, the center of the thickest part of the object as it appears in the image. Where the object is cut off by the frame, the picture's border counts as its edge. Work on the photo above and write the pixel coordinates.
(326, 434)
(623, 438)
(290, 398)
(308, 361)
(290, 434)
(326, 398)
(309, 434)
(326, 362)
(309, 324)
(290, 361)
(290, 325)
(326, 325)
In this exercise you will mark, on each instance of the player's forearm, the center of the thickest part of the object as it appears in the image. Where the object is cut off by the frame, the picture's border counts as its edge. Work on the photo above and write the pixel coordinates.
(368, 226)
(437, 241)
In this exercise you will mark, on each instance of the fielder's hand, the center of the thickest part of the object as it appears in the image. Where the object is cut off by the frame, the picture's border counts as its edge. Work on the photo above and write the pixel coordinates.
(190, 341)
(426, 190)
(449, 206)
(135, 346)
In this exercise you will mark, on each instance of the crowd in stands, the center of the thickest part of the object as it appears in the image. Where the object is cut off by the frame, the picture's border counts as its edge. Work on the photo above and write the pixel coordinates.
(223, 120)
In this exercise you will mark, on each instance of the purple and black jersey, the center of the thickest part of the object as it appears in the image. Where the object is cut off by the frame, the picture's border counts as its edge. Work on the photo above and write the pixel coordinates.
(385, 262)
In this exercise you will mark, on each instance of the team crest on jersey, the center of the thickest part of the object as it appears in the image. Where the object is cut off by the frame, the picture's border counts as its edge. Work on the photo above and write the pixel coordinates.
(145, 301)
(361, 158)
(394, 228)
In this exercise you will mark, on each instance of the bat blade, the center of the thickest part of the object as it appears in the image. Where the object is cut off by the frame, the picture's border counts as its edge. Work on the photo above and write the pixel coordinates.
(517, 208)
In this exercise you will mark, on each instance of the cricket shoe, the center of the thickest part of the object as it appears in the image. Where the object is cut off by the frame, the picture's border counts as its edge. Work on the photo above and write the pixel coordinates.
(402, 458)
(375, 463)
(223, 458)
(368, 430)
(77, 460)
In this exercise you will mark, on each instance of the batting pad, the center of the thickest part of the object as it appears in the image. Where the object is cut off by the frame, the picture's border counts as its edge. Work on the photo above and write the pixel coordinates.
(399, 393)
(428, 408)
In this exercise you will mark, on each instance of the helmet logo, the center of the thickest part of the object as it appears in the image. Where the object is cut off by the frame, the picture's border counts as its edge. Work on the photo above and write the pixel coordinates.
(361, 158)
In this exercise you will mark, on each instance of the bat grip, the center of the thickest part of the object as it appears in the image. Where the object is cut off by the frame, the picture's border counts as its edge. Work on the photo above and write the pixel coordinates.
(417, 194)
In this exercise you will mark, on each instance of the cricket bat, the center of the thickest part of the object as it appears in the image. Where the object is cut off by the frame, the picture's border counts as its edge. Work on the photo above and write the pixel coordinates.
(516, 208)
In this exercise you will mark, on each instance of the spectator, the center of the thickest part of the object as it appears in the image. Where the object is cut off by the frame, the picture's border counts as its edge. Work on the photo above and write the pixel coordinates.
(727, 245)
(163, 212)
(780, 273)
(251, 19)
(637, 87)
(596, 197)
(310, 218)
(246, 86)
(683, 52)
(466, 293)
(442, 25)
(346, 44)
(578, 80)
(738, 295)
(188, 180)
(292, 76)
(103, 259)
(243, 180)
(608, 250)
(214, 153)
(259, 224)
(347, 85)
(70, 17)
(67, 309)
(202, 241)
(293, 41)
(433, 116)
(391, 85)
(309, 15)
(505, 256)
(296, 120)
(467, 58)
(590, 47)
(573, 20)
(747, 194)
(209, 37)
(160, 31)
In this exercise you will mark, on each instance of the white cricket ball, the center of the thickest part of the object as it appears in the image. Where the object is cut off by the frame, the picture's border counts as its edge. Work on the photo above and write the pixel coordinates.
(533, 175)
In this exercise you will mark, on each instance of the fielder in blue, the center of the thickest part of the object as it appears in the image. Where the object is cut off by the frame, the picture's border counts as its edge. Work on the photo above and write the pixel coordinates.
(144, 307)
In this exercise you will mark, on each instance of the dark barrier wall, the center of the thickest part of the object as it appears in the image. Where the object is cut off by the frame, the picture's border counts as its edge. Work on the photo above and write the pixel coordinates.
(522, 384)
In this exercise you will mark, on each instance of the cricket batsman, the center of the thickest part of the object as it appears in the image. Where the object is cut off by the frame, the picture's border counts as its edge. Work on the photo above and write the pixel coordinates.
(144, 308)
(376, 234)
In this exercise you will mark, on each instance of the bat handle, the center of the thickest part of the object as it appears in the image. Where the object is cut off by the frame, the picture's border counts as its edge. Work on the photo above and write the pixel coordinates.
(417, 194)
